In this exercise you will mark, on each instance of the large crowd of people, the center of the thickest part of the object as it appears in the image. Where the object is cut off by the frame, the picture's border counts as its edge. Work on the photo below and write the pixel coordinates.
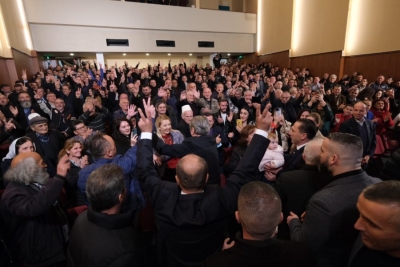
(186, 165)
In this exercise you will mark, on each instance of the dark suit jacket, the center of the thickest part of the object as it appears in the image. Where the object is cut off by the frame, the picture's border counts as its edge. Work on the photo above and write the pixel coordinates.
(252, 253)
(351, 126)
(184, 128)
(373, 257)
(328, 226)
(334, 103)
(293, 161)
(202, 146)
(214, 132)
(295, 189)
(192, 227)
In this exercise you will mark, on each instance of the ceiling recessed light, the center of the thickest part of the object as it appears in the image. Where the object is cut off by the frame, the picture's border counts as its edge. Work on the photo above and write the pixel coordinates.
(147, 54)
(190, 54)
(124, 54)
(169, 54)
(229, 54)
(71, 54)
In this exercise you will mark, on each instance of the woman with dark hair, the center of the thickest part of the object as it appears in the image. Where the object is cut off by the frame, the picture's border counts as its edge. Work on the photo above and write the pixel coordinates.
(378, 95)
(73, 148)
(122, 135)
(19, 145)
(166, 164)
(246, 134)
(246, 117)
(383, 118)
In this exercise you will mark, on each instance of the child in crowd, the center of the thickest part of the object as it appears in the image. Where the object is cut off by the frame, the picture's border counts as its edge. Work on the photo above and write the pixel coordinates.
(273, 156)
(341, 117)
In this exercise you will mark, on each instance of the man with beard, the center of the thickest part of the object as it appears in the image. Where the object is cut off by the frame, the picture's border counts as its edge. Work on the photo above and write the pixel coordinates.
(331, 213)
(225, 117)
(21, 112)
(36, 224)
(48, 142)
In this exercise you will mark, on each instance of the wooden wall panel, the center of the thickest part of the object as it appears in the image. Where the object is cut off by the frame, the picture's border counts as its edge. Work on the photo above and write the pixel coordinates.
(373, 65)
(280, 59)
(24, 61)
(4, 74)
(249, 59)
(319, 63)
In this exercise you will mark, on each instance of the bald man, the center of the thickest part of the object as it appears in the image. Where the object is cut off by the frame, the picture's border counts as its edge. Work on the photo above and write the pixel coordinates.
(258, 246)
(327, 227)
(36, 224)
(360, 126)
(192, 216)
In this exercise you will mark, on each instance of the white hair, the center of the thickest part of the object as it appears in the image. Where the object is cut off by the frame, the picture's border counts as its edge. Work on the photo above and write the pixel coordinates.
(26, 172)
(312, 151)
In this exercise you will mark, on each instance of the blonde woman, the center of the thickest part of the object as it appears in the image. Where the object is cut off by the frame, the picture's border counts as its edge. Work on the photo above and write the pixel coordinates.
(167, 165)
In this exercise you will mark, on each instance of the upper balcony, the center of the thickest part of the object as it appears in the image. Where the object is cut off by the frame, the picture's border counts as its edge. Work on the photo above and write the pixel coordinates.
(84, 26)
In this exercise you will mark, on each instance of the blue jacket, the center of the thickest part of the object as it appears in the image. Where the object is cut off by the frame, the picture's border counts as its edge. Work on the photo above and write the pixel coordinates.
(128, 164)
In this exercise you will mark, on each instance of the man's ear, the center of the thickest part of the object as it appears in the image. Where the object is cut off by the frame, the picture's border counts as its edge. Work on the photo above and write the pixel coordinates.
(32, 128)
(177, 180)
(237, 216)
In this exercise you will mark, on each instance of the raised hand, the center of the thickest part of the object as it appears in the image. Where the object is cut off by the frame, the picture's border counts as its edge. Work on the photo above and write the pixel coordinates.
(263, 120)
(63, 166)
(14, 111)
(134, 139)
(162, 92)
(36, 96)
(220, 119)
(196, 94)
(23, 75)
(146, 123)
(131, 111)
(84, 161)
(9, 126)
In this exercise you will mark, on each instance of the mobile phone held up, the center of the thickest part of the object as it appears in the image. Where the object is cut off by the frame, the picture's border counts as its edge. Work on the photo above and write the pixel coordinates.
(278, 112)
(239, 123)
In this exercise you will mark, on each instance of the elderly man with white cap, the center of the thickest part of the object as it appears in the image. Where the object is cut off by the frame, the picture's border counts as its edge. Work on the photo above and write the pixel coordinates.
(48, 142)
(184, 124)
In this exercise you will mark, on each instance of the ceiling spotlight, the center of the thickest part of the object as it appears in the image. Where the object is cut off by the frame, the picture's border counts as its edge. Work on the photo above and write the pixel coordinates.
(229, 54)
(190, 54)
(147, 54)
(169, 54)
(124, 54)
(71, 54)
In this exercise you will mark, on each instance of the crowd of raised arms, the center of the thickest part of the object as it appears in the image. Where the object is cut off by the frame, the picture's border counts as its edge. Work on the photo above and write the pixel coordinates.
(186, 165)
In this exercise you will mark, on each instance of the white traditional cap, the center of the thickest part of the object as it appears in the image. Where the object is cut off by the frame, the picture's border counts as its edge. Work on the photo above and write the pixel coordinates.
(33, 115)
(186, 108)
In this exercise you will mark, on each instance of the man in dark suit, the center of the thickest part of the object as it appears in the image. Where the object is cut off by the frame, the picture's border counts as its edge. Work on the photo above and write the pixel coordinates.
(297, 187)
(301, 132)
(336, 100)
(379, 240)
(258, 246)
(192, 215)
(331, 213)
(200, 144)
(362, 127)
(221, 139)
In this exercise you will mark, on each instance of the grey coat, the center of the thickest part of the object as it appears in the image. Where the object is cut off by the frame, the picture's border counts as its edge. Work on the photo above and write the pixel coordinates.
(328, 226)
